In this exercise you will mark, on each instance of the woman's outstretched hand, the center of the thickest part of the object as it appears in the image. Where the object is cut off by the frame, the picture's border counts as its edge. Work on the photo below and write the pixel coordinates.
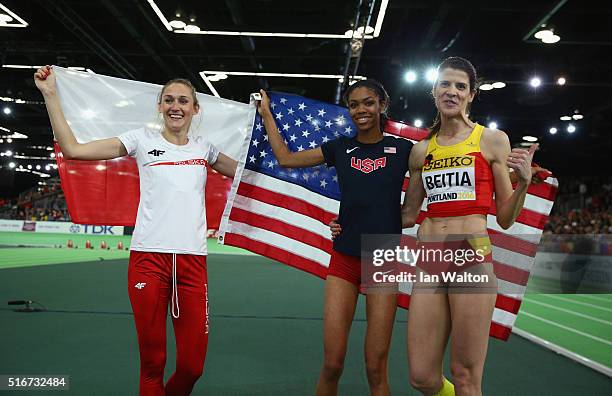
(44, 78)
(263, 106)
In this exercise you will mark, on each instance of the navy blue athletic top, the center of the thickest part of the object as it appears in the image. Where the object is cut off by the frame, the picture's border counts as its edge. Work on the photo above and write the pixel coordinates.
(370, 176)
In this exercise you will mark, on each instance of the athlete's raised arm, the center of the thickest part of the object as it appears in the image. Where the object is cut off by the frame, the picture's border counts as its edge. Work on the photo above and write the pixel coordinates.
(284, 156)
(44, 78)
(508, 202)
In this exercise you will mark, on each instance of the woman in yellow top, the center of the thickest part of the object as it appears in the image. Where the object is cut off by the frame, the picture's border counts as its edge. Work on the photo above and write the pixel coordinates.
(458, 167)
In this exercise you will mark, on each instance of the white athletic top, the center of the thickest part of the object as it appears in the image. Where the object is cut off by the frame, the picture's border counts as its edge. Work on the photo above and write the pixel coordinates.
(171, 213)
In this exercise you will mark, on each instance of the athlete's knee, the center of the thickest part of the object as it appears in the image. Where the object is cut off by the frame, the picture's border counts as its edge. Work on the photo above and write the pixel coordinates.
(425, 380)
(190, 371)
(333, 365)
(466, 377)
(152, 364)
(376, 367)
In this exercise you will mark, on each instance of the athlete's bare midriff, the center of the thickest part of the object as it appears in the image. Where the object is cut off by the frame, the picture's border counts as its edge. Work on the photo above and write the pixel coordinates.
(475, 224)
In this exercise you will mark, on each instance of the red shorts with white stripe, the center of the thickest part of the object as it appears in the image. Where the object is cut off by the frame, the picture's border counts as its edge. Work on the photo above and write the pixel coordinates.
(345, 267)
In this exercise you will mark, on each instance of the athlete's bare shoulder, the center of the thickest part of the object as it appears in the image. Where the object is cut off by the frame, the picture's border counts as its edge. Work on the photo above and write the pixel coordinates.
(417, 155)
(494, 144)
(494, 137)
(421, 147)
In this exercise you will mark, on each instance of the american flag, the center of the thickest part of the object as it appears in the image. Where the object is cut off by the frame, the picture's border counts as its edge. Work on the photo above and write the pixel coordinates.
(284, 213)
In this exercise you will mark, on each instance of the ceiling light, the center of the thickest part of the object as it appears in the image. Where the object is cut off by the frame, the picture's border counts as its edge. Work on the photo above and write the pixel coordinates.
(9, 19)
(368, 30)
(535, 82)
(209, 84)
(432, 74)
(159, 14)
(292, 75)
(498, 84)
(571, 128)
(379, 21)
(528, 138)
(492, 125)
(9, 140)
(6, 110)
(29, 166)
(566, 118)
(418, 123)
(485, 87)
(177, 24)
(191, 28)
(410, 76)
(11, 165)
(551, 39)
(217, 77)
(377, 28)
(5, 18)
(8, 153)
(381, 17)
(542, 33)
(561, 81)
(552, 130)
(47, 167)
(21, 66)
(52, 155)
(577, 116)
(37, 167)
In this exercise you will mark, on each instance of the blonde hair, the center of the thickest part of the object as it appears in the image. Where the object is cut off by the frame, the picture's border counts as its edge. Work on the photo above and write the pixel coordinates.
(183, 81)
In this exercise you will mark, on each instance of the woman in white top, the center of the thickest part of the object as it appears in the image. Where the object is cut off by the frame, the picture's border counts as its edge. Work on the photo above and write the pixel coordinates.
(168, 250)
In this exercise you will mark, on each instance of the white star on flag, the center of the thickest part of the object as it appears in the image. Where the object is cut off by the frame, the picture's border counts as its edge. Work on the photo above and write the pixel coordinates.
(263, 153)
(322, 113)
(286, 126)
(298, 122)
(255, 142)
(305, 133)
(283, 100)
(302, 106)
